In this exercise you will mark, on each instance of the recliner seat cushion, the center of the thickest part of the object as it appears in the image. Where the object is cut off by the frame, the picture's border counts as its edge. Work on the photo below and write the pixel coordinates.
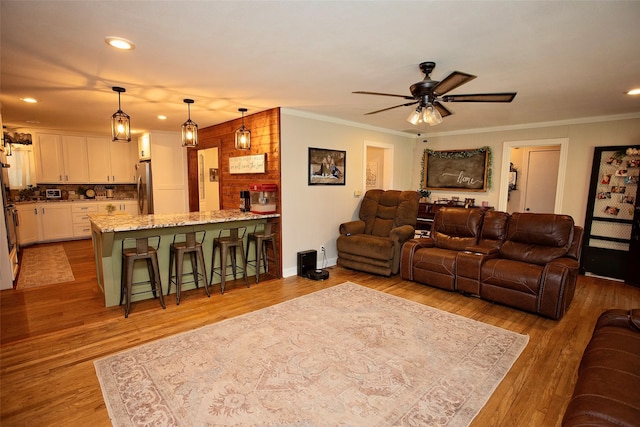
(363, 244)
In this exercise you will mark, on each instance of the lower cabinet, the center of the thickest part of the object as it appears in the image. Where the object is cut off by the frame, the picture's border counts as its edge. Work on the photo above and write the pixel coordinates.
(129, 206)
(80, 217)
(27, 223)
(55, 221)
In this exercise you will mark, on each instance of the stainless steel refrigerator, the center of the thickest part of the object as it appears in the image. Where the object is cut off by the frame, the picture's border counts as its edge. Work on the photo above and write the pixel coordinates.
(144, 184)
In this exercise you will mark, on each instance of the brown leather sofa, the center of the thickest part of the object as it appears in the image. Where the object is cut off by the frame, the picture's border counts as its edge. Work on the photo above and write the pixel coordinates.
(372, 243)
(524, 260)
(608, 389)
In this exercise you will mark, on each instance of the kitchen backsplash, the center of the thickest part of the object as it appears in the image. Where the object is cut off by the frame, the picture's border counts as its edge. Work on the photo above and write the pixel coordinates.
(76, 192)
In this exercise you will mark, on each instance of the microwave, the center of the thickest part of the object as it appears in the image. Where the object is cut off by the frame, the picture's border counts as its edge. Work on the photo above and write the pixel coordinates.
(53, 193)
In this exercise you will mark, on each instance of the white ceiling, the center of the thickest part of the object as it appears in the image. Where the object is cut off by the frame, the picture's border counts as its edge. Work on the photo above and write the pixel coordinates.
(566, 60)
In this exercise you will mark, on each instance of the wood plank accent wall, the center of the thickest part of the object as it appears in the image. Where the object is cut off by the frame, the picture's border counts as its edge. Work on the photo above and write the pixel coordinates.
(265, 138)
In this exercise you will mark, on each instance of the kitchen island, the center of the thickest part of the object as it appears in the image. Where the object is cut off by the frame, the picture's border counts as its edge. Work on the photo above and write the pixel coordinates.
(108, 232)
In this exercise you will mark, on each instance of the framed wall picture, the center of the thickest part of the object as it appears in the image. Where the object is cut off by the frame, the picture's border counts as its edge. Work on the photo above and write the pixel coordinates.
(327, 167)
(458, 170)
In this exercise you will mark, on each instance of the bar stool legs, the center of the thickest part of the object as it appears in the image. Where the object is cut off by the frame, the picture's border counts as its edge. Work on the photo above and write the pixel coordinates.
(228, 241)
(260, 239)
(142, 251)
(192, 246)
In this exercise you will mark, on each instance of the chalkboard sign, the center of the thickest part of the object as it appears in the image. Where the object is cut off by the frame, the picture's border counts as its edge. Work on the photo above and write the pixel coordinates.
(459, 170)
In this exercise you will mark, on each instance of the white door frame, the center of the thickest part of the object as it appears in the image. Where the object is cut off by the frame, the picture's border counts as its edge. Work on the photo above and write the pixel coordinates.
(506, 160)
(387, 182)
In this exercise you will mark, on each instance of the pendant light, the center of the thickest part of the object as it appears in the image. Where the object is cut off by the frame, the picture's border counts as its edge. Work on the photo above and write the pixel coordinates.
(120, 121)
(243, 135)
(189, 128)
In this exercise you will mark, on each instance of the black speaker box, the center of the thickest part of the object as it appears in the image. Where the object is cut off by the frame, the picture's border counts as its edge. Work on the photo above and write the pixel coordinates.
(307, 262)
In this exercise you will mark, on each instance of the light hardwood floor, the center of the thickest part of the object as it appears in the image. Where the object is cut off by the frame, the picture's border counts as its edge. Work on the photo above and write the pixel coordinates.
(51, 335)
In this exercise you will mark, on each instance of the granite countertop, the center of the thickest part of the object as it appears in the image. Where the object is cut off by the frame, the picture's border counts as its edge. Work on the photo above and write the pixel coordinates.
(121, 221)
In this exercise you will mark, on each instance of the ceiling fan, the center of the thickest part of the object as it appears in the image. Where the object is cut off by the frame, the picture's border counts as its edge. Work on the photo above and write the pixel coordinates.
(429, 95)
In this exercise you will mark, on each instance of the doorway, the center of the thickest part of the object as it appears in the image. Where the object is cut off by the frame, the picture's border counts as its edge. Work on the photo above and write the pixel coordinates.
(533, 145)
(378, 166)
(534, 179)
(208, 180)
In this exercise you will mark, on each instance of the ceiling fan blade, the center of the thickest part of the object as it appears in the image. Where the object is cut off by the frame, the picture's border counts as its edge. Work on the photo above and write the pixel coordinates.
(361, 92)
(391, 108)
(481, 97)
(444, 112)
(451, 82)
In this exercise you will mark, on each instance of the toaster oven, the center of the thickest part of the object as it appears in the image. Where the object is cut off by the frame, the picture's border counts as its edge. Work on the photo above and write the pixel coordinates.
(53, 193)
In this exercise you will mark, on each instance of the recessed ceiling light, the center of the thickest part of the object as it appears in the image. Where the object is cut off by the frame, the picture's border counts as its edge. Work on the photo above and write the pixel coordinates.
(161, 117)
(33, 122)
(29, 100)
(119, 43)
(635, 91)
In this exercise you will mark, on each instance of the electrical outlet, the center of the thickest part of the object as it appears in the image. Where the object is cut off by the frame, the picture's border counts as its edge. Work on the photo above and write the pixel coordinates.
(322, 249)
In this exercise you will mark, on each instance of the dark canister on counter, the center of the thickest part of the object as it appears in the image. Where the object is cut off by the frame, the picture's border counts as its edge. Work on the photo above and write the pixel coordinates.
(245, 201)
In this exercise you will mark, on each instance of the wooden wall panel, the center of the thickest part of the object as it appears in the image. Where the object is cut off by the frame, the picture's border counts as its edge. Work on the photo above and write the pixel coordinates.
(265, 138)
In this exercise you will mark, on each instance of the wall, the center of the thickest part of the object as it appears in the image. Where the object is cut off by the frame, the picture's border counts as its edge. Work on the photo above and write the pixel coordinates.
(583, 137)
(311, 215)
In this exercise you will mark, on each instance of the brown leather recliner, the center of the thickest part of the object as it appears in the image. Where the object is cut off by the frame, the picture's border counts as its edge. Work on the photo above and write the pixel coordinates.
(372, 243)
(606, 393)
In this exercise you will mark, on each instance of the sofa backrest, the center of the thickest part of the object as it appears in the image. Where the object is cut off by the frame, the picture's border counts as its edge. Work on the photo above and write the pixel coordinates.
(537, 238)
(494, 229)
(456, 228)
(382, 210)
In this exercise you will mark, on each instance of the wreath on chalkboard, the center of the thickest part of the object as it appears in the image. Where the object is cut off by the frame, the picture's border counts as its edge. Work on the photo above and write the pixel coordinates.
(457, 155)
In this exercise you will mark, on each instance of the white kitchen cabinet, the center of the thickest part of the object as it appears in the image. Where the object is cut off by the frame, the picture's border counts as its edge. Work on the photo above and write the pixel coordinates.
(49, 159)
(128, 206)
(144, 147)
(110, 162)
(55, 221)
(27, 223)
(80, 218)
(61, 159)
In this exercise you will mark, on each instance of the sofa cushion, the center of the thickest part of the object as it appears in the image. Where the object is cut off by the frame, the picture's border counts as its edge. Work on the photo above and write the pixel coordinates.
(456, 228)
(537, 238)
(363, 244)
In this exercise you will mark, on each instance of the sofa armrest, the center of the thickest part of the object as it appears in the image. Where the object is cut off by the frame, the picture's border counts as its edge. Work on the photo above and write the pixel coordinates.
(407, 252)
(352, 227)
(621, 318)
(558, 287)
(402, 234)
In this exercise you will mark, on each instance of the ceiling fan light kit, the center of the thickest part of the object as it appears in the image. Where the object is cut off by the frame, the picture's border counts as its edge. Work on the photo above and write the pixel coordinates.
(120, 121)
(429, 95)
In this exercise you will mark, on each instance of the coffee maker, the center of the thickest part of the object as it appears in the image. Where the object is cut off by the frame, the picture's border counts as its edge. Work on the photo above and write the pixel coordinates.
(245, 201)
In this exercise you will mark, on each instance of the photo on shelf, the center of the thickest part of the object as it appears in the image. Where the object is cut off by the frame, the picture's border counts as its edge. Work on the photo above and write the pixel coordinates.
(606, 179)
(614, 161)
(627, 199)
(604, 195)
(621, 172)
(631, 179)
(611, 210)
(620, 189)
(634, 163)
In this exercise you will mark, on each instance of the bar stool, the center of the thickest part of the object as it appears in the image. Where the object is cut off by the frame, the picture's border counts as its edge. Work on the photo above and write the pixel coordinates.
(130, 255)
(260, 239)
(228, 241)
(192, 246)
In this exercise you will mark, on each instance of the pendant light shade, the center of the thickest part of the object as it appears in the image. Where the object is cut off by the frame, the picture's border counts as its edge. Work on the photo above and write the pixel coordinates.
(120, 121)
(428, 114)
(189, 128)
(243, 135)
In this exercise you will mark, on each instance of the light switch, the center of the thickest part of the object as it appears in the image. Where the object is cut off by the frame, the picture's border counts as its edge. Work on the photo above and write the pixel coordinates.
(357, 193)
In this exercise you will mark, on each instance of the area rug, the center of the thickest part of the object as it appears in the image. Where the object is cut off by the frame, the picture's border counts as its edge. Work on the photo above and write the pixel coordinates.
(44, 265)
(346, 355)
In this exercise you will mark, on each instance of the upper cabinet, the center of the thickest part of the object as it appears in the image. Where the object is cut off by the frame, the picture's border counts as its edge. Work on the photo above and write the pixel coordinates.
(111, 162)
(61, 159)
(144, 147)
(66, 159)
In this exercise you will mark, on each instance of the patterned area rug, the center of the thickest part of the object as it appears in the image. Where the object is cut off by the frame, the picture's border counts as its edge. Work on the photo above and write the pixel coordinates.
(346, 355)
(44, 265)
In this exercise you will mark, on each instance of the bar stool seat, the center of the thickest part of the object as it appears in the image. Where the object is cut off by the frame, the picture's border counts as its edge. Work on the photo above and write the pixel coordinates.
(260, 238)
(229, 240)
(141, 251)
(193, 246)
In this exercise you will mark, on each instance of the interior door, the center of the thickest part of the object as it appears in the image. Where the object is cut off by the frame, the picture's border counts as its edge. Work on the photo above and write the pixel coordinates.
(542, 179)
